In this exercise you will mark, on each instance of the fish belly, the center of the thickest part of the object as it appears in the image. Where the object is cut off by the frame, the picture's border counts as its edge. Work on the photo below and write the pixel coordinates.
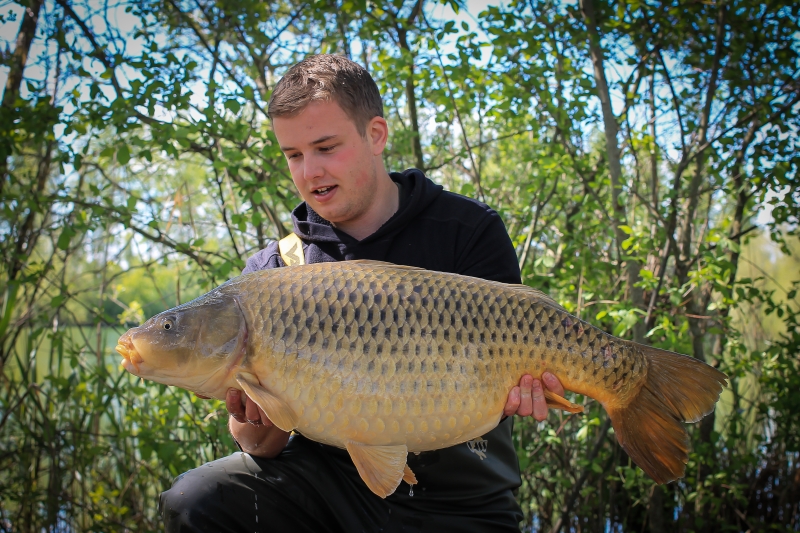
(388, 355)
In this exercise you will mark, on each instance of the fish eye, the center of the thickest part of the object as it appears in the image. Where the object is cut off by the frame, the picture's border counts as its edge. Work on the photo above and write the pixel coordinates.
(168, 324)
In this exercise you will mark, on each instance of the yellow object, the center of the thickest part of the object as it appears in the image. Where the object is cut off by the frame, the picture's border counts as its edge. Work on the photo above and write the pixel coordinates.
(383, 360)
(291, 249)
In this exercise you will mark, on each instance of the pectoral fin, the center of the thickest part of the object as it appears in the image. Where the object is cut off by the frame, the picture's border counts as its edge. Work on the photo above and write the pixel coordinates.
(559, 402)
(381, 467)
(276, 409)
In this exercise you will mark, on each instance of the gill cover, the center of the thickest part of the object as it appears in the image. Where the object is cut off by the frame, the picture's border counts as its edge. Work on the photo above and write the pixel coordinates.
(184, 345)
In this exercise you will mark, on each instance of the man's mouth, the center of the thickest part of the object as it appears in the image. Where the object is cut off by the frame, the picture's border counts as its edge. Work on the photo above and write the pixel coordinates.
(324, 191)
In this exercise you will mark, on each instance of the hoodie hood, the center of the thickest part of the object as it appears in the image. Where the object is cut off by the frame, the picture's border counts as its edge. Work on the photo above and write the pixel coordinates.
(416, 194)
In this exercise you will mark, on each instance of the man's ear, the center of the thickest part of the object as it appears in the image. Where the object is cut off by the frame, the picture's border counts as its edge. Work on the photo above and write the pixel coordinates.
(377, 134)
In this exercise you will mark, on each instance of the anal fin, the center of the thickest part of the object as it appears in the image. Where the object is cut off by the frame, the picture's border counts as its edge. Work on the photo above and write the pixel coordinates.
(408, 476)
(278, 411)
(559, 402)
(381, 467)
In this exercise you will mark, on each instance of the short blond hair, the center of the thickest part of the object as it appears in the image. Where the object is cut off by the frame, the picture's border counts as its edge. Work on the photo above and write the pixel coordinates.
(328, 77)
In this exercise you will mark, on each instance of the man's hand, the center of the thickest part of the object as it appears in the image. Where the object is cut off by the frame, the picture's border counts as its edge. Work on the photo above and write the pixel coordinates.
(252, 428)
(528, 398)
(245, 410)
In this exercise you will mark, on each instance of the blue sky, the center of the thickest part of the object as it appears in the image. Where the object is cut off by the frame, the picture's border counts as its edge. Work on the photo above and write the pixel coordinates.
(12, 15)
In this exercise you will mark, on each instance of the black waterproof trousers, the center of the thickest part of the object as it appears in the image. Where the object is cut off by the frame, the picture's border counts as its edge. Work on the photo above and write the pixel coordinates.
(305, 490)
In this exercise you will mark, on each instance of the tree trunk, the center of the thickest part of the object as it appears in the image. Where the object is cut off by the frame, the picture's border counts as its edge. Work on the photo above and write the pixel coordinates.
(614, 165)
(411, 99)
(693, 197)
(655, 511)
(416, 145)
(695, 305)
(27, 31)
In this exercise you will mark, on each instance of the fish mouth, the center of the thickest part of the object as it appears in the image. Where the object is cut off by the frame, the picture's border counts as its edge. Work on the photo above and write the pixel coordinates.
(130, 355)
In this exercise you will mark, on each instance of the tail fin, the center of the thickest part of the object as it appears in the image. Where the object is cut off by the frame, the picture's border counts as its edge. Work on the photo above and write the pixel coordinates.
(650, 427)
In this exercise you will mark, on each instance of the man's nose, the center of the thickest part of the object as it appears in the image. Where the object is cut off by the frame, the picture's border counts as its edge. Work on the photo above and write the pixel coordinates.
(312, 168)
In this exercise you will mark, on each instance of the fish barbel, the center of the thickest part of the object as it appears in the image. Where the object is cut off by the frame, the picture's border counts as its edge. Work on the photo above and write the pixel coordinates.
(383, 360)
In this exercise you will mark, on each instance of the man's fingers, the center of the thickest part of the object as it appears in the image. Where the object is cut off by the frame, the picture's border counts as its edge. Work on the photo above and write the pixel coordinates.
(539, 403)
(525, 404)
(244, 410)
(255, 415)
(552, 383)
(512, 404)
(251, 412)
(233, 402)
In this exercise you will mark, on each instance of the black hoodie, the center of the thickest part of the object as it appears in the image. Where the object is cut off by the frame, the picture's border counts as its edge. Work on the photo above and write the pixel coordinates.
(436, 230)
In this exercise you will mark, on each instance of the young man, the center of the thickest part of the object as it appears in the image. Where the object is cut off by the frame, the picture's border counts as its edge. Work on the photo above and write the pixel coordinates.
(327, 115)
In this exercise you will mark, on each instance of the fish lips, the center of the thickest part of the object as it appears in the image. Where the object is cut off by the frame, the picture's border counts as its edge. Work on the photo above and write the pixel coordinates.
(130, 355)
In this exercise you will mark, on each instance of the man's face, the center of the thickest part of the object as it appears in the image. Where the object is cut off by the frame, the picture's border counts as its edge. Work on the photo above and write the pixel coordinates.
(332, 165)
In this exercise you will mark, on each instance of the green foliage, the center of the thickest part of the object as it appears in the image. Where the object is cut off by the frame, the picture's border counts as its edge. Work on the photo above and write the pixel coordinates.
(138, 169)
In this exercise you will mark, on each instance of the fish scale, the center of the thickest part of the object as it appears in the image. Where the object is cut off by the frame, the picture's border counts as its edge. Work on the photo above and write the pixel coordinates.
(410, 316)
(384, 360)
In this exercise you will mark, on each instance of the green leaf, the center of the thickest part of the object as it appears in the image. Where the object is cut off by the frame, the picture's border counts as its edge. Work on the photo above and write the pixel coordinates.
(123, 154)
(233, 105)
(257, 197)
(166, 450)
(66, 236)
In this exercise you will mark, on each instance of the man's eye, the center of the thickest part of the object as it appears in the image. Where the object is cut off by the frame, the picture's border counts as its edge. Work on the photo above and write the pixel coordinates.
(326, 148)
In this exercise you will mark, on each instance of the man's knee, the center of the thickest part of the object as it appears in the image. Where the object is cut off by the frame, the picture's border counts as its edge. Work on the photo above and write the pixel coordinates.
(236, 493)
(218, 496)
(193, 500)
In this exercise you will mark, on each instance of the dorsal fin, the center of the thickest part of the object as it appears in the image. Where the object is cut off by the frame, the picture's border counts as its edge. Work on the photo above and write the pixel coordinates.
(539, 295)
(372, 262)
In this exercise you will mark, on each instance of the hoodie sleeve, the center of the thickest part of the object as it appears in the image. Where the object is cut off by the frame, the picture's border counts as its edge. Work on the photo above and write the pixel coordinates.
(489, 253)
(264, 259)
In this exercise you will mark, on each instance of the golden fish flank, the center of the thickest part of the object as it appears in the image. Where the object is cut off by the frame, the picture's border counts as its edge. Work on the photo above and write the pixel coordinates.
(413, 360)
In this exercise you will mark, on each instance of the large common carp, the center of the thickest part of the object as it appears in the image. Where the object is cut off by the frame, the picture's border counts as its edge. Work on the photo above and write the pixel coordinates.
(384, 360)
